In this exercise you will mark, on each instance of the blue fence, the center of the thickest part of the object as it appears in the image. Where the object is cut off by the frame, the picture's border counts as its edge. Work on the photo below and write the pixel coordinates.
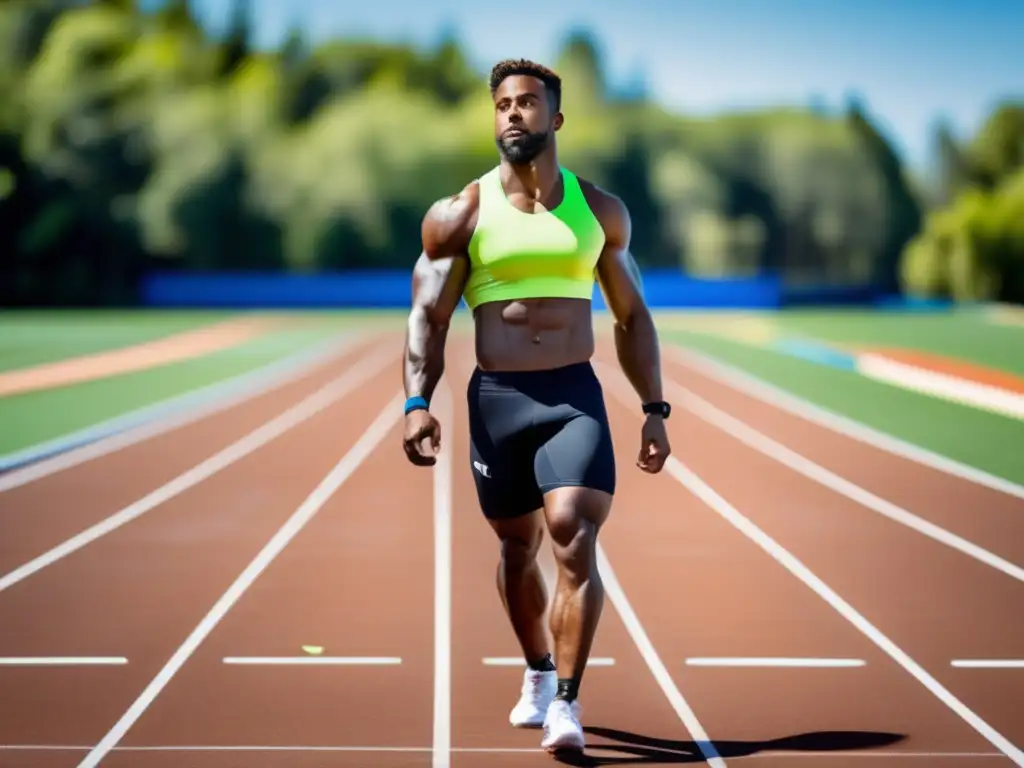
(391, 289)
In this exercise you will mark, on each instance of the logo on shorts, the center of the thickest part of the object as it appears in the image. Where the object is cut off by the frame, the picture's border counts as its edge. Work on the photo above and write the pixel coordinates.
(482, 469)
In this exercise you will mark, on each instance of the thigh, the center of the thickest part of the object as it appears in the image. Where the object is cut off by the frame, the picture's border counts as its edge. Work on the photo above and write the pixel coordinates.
(500, 453)
(579, 454)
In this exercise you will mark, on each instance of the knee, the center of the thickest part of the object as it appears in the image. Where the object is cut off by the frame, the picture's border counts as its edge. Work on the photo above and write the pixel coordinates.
(575, 548)
(519, 552)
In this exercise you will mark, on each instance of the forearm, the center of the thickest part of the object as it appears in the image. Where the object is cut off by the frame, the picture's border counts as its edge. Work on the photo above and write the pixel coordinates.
(424, 354)
(636, 343)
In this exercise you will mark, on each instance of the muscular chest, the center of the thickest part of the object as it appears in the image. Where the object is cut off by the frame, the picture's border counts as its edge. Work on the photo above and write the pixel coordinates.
(538, 245)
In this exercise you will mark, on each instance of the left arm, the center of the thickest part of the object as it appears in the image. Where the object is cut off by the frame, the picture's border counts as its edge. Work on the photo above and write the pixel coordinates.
(636, 338)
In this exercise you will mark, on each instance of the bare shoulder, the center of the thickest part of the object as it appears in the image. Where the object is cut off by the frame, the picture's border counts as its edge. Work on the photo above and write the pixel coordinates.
(449, 222)
(610, 210)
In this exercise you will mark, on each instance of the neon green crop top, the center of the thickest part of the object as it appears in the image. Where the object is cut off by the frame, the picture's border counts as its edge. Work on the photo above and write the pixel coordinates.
(519, 255)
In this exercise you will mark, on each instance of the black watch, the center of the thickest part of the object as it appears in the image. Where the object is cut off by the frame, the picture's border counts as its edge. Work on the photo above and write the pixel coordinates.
(660, 408)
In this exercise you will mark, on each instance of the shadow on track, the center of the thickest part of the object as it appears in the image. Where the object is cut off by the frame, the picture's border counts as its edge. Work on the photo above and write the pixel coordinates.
(647, 750)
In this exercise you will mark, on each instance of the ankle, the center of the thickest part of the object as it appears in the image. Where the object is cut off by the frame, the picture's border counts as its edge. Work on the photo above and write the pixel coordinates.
(568, 689)
(543, 664)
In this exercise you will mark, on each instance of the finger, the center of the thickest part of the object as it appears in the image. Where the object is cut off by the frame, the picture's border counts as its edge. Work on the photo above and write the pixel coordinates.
(427, 446)
(415, 454)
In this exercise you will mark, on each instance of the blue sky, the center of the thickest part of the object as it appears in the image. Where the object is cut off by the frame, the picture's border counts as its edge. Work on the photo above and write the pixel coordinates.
(910, 60)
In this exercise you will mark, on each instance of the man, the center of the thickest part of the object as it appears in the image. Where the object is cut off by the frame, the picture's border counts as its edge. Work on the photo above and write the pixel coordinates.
(523, 244)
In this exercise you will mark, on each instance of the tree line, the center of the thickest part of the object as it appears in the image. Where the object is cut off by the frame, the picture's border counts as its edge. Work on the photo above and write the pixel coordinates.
(132, 141)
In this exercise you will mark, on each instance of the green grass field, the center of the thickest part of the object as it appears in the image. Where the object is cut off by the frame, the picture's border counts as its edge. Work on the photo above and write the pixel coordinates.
(33, 338)
(984, 440)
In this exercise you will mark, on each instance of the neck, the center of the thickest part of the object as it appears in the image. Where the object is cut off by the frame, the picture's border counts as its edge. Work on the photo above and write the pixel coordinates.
(537, 179)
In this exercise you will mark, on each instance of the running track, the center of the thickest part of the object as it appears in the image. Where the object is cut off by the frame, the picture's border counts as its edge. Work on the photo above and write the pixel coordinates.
(849, 595)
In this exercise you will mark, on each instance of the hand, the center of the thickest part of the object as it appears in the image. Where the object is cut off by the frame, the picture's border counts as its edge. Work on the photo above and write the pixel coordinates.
(422, 438)
(654, 447)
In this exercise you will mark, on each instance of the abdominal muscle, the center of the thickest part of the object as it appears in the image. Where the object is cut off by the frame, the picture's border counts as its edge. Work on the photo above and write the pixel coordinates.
(533, 334)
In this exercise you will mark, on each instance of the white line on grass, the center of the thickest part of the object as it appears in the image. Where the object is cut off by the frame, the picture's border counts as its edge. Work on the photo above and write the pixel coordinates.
(942, 385)
(358, 374)
(786, 401)
(165, 416)
(444, 410)
(348, 464)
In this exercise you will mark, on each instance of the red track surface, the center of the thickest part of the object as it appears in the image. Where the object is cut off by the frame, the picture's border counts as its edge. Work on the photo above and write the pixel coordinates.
(358, 579)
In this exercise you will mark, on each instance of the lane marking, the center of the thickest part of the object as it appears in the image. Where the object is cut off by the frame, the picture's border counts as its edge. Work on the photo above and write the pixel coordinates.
(809, 469)
(989, 663)
(313, 660)
(617, 595)
(443, 468)
(784, 557)
(603, 748)
(517, 661)
(60, 661)
(760, 389)
(764, 661)
(361, 371)
(691, 481)
(972, 394)
(112, 435)
(348, 464)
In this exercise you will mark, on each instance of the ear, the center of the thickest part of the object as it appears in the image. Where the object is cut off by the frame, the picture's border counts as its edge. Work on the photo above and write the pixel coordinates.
(559, 119)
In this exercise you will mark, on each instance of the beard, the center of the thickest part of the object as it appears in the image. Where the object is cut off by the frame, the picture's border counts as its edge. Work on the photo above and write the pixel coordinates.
(520, 150)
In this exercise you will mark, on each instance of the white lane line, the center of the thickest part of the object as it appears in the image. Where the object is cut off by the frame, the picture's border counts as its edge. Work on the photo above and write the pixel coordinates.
(942, 385)
(482, 750)
(61, 661)
(753, 386)
(690, 480)
(517, 661)
(313, 661)
(358, 374)
(770, 661)
(348, 464)
(785, 558)
(988, 663)
(151, 421)
(617, 595)
(809, 469)
(442, 406)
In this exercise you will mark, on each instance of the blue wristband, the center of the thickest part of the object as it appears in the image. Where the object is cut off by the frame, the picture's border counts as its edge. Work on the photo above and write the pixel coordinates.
(416, 403)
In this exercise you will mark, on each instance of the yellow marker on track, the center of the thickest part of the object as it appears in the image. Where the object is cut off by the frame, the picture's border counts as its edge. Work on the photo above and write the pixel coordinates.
(314, 650)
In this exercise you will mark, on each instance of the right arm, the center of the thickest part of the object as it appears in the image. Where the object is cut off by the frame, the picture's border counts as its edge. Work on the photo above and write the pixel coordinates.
(437, 285)
(438, 280)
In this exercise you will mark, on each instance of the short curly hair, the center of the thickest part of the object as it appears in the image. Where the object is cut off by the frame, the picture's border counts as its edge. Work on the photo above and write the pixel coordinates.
(509, 67)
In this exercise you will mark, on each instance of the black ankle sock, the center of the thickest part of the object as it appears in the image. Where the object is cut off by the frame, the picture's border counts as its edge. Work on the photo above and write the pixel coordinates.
(568, 688)
(543, 664)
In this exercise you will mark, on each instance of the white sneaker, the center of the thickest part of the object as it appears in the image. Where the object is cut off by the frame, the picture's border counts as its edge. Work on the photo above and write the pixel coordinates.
(539, 688)
(562, 729)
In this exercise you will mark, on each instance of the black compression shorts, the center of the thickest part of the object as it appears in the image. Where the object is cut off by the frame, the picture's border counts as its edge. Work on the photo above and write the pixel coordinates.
(533, 431)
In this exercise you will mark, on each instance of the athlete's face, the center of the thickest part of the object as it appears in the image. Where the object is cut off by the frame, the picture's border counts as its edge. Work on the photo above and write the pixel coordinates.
(524, 122)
